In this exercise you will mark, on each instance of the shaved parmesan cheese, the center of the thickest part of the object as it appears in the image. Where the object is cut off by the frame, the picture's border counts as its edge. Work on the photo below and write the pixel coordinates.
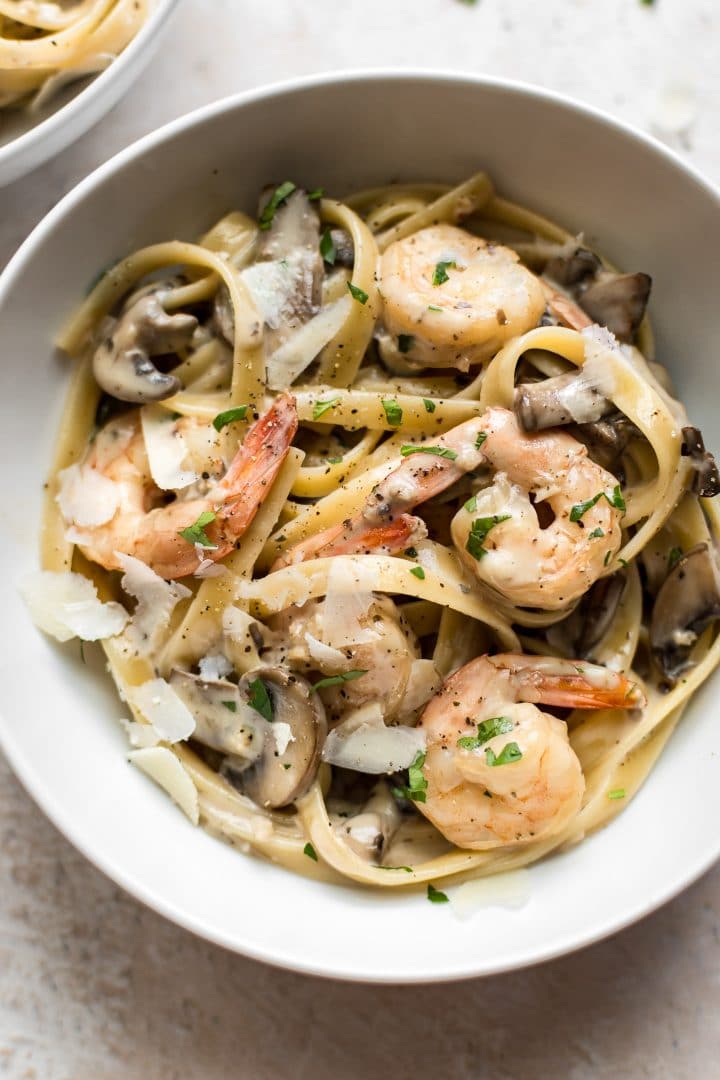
(214, 666)
(272, 286)
(325, 655)
(156, 600)
(162, 708)
(161, 765)
(307, 342)
(511, 890)
(208, 568)
(373, 748)
(283, 735)
(66, 605)
(87, 497)
(166, 449)
(423, 682)
(343, 614)
(140, 734)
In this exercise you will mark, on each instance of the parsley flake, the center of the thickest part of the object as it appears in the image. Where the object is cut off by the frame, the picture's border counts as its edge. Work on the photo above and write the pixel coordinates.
(674, 556)
(231, 705)
(616, 500)
(327, 248)
(357, 294)
(317, 194)
(440, 273)
(278, 197)
(471, 504)
(434, 307)
(596, 534)
(309, 850)
(405, 342)
(509, 753)
(334, 460)
(438, 451)
(230, 416)
(321, 407)
(435, 896)
(195, 533)
(429, 405)
(478, 534)
(417, 784)
(259, 699)
(480, 440)
(488, 729)
(338, 680)
(618, 793)
(418, 572)
(393, 412)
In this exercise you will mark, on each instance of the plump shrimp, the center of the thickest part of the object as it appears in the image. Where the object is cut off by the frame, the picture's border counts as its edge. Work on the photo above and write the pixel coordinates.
(455, 298)
(499, 770)
(499, 534)
(145, 528)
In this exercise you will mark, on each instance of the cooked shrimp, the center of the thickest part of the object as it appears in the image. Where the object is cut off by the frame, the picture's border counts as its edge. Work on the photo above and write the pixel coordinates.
(498, 769)
(317, 638)
(564, 308)
(145, 528)
(456, 297)
(498, 533)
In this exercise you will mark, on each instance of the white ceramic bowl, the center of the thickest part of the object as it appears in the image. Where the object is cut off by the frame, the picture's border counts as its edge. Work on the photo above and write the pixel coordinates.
(642, 206)
(29, 139)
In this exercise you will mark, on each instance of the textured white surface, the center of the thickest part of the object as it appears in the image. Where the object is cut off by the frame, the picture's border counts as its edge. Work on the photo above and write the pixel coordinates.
(95, 987)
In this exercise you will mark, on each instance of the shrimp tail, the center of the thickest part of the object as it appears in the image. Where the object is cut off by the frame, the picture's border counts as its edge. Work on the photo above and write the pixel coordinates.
(385, 539)
(570, 684)
(565, 309)
(255, 466)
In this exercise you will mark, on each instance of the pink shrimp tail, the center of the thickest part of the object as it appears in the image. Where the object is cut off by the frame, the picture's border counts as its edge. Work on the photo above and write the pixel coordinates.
(569, 684)
(386, 539)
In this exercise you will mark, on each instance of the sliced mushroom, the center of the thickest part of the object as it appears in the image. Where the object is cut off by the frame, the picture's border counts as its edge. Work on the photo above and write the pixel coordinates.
(122, 363)
(706, 481)
(586, 626)
(223, 720)
(617, 301)
(344, 248)
(687, 602)
(573, 267)
(295, 736)
(370, 832)
(606, 439)
(564, 399)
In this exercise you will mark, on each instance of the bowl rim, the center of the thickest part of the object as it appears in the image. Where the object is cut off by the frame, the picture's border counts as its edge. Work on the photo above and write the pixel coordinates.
(23, 766)
(64, 116)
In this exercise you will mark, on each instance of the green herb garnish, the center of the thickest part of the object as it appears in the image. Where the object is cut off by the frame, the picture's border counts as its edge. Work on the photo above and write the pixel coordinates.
(675, 555)
(334, 460)
(230, 416)
(488, 729)
(434, 307)
(327, 248)
(507, 755)
(309, 850)
(278, 197)
(418, 572)
(393, 412)
(616, 500)
(321, 407)
(407, 869)
(435, 896)
(405, 342)
(338, 680)
(429, 405)
(417, 784)
(438, 451)
(471, 504)
(318, 193)
(480, 440)
(478, 533)
(357, 294)
(618, 793)
(596, 534)
(259, 699)
(195, 534)
(608, 557)
(231, 705)
(440, 273)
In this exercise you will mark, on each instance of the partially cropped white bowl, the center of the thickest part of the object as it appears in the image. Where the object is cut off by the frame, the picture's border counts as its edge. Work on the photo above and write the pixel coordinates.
(28, 139)
(642, 206)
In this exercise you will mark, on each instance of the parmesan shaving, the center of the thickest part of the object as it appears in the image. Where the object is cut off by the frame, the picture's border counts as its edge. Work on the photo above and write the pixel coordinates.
(344, 611)
(283, 736)
(161, 765)
(423, 682)
(162, 708)
(86, 497)
(324, 654)
(299, 351)
(66, 605)
(156, 601)
(166, 449)
(214, 666)
(373, 748)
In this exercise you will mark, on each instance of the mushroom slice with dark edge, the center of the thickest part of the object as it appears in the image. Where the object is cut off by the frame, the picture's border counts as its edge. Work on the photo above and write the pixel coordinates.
(122, 362)
(291, 752)
(369, 832)
(563, 399)
(687, 602)
(573, 267)
(222, 719)
(706, 481)
(606, 439)
(617, 301)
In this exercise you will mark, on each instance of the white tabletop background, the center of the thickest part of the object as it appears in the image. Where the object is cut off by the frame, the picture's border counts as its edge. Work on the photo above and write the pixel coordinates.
(95, 987)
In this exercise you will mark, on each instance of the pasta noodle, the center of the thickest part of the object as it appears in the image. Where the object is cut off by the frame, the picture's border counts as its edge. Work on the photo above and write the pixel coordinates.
(44, 45)
(390, 481)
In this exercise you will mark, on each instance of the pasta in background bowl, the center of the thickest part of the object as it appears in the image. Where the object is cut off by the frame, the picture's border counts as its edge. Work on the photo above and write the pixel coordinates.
(62, 67)
(70, 759)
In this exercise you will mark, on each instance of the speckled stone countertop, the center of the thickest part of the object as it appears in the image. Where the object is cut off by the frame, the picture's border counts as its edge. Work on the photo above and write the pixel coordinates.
(94, 986)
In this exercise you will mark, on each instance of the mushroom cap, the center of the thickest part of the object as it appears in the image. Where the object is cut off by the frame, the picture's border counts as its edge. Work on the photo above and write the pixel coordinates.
(223, 720)
(283, 773)
(687, 602)
(618, 301)
(706, 481)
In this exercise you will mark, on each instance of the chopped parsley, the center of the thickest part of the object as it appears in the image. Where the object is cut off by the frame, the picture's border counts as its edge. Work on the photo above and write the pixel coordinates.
(259, 699)
(480, 440)
(417, 784)
(608, 557)
(318, 193)
(438, 451)
(393, 412)
(618, 793)
(334, 460)
(675, 555)
(230, 416)
(405, 342)
(596, 534)
(471, 504)
(411, 552)
(488, 729)
(429, 405)
(309, 850)
(434, 307)
(507, 755)
(327, 248)
(440, 273)
(231, 705)
(616, 500)
(478, 533)
(435, 896)
(418, 572)
(321, 407)
(195, 534)
(407, 869)
(357, 294)
(338, 680)
(278, 197)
